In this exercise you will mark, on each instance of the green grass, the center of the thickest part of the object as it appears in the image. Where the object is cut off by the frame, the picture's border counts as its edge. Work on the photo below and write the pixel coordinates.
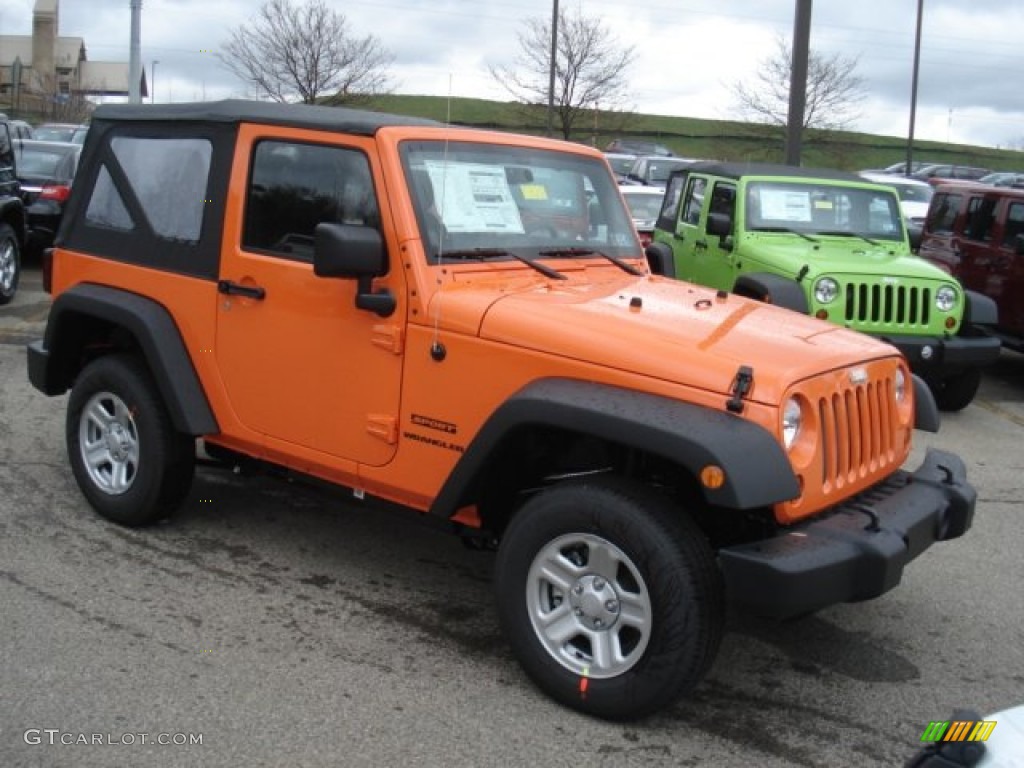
(712, 139)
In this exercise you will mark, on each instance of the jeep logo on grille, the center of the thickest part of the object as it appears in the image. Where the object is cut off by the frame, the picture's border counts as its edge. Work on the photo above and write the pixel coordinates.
(858, 376)
(890, 280)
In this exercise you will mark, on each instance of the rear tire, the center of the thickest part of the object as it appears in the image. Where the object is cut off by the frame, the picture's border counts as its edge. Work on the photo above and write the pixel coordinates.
(129, 461)
(610, 597)
(10, 263)
(954, 393)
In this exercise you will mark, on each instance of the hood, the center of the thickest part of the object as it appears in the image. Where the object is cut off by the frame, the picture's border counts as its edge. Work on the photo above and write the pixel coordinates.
(837, 256)
(656, 327)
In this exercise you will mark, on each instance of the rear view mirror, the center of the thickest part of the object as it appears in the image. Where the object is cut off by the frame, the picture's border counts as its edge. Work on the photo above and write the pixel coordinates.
(719, 224)
(343, 250)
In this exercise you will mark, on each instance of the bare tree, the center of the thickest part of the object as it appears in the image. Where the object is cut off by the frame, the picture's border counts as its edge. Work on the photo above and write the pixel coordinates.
(834, 90)
(307, 53)
(590, 68)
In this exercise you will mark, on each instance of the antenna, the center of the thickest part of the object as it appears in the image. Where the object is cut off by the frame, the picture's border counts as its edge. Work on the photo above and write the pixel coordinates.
(437, 350)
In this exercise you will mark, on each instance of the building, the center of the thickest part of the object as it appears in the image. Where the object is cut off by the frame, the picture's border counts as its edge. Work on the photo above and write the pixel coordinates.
(49, 76)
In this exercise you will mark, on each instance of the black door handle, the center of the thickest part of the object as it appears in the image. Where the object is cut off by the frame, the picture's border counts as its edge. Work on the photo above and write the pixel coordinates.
(237, 289)
(701, 244)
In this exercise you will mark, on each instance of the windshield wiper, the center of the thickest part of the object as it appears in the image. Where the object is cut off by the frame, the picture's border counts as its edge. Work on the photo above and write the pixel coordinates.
(786, 230)
(588, 252)
(494, 253)
(840, 233)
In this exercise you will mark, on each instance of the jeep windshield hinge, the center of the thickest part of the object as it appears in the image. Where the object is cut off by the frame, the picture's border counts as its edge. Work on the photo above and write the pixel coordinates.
(741, 385)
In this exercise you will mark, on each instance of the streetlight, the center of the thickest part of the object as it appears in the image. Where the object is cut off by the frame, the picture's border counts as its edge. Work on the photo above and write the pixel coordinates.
(152, 92)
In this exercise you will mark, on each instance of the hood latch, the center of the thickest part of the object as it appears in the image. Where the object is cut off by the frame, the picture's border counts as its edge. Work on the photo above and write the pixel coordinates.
(741, 386)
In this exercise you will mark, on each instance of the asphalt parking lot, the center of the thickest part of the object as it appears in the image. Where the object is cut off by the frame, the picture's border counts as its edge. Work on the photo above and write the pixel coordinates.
(282, 626)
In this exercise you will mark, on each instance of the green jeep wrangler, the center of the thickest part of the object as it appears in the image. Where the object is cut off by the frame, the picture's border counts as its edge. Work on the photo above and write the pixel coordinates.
(830, 244)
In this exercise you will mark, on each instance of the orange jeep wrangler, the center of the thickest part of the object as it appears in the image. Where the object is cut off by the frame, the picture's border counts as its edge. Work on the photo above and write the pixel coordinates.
(462, 323)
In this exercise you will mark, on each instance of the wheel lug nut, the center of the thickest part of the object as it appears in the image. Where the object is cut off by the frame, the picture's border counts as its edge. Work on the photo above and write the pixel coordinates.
(598, 623)
(598, 584)
(578, 589)
(612, 606)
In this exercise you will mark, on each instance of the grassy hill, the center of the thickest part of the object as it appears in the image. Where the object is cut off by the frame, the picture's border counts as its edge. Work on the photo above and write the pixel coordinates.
(693, 137)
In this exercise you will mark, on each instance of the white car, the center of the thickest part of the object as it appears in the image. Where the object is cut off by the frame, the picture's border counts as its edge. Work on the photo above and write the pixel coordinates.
(914, 198)
(644, 205)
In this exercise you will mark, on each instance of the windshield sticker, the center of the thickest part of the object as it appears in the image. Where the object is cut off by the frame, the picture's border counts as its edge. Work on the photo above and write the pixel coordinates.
(534, 191)
(785, 205)
(474, 197)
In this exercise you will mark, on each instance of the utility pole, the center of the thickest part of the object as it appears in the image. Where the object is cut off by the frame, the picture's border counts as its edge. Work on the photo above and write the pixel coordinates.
(551, 78)
(798, 81)
(135, 54)
(913, 91)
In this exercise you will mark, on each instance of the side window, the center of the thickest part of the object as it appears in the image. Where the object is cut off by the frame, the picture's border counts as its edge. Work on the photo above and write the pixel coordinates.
(293, 187)
(694, 200)
(1014, 224)
(942, 214)
(169, 179)
(670, 203)
(980, 218)
(723, 199)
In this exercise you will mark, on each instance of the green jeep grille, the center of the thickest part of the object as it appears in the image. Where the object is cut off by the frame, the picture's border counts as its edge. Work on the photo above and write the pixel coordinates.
(902, 306)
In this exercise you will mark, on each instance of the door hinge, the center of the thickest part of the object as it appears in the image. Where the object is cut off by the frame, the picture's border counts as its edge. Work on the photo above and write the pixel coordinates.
(383, 427)
(389, 337)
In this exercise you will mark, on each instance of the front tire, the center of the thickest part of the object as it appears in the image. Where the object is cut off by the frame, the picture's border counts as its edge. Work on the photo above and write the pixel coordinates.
(129, 461)
(954, 393)
(10, 263)
(610, 597)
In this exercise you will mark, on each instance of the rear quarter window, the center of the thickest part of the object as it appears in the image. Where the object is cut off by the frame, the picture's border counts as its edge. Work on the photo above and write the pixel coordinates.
(943, 211)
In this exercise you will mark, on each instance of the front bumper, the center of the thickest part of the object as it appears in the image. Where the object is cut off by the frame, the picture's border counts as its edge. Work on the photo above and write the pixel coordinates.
(946, 355)
(858, 550)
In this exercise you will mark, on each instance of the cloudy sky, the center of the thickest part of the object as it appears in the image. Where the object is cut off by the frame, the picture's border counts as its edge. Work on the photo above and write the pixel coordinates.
(688, 52)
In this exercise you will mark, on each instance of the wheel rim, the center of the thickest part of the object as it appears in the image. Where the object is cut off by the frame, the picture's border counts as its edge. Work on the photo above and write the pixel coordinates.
(589, 605)
(109, 443)
(6, 265)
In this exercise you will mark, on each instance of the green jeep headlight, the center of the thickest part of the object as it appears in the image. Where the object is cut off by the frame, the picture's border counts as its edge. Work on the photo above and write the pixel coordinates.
(945, 298)
(826, 290)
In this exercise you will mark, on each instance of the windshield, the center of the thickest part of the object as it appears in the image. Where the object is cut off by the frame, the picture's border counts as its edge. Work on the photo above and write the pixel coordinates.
(503, 199)
(820, 208)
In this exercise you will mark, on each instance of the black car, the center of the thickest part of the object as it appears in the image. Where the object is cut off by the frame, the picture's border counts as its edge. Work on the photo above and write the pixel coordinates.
(45, 170)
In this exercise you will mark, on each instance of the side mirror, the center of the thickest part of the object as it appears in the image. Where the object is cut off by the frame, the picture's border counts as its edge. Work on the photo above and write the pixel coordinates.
(719, 224)
(347, 251)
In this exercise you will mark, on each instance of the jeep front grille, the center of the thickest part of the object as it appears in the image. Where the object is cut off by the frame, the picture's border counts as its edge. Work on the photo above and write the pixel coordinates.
(858, 433)
(893, 306)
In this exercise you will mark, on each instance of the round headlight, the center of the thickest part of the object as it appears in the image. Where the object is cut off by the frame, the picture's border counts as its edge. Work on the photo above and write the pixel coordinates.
(826, 290)
(900, 386)
(945, 298)
(791, 420)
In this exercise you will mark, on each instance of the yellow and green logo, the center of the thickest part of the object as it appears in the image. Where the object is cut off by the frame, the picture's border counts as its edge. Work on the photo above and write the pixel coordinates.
(958, 730)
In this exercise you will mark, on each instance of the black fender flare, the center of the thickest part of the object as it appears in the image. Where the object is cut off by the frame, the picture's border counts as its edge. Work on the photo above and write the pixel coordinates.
(757, 471)
(53, 364)
(772, 289)
(979, 309)
(661, 259)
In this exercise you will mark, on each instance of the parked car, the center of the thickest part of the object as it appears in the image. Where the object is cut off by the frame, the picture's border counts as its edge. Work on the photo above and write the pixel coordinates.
(19, 129)
(58, 131)
(828, 244)
(642, 453)
(620, 163)
(654, 170)
(914, 196)
(46, 170)
(900, 169)
(644, 204)
(638, 147)
(12, 217)
(976, 234)
(1003, 179)
(938, 174)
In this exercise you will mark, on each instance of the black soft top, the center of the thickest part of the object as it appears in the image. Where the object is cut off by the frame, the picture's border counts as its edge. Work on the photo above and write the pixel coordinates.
(341, 119)
(736, 170)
